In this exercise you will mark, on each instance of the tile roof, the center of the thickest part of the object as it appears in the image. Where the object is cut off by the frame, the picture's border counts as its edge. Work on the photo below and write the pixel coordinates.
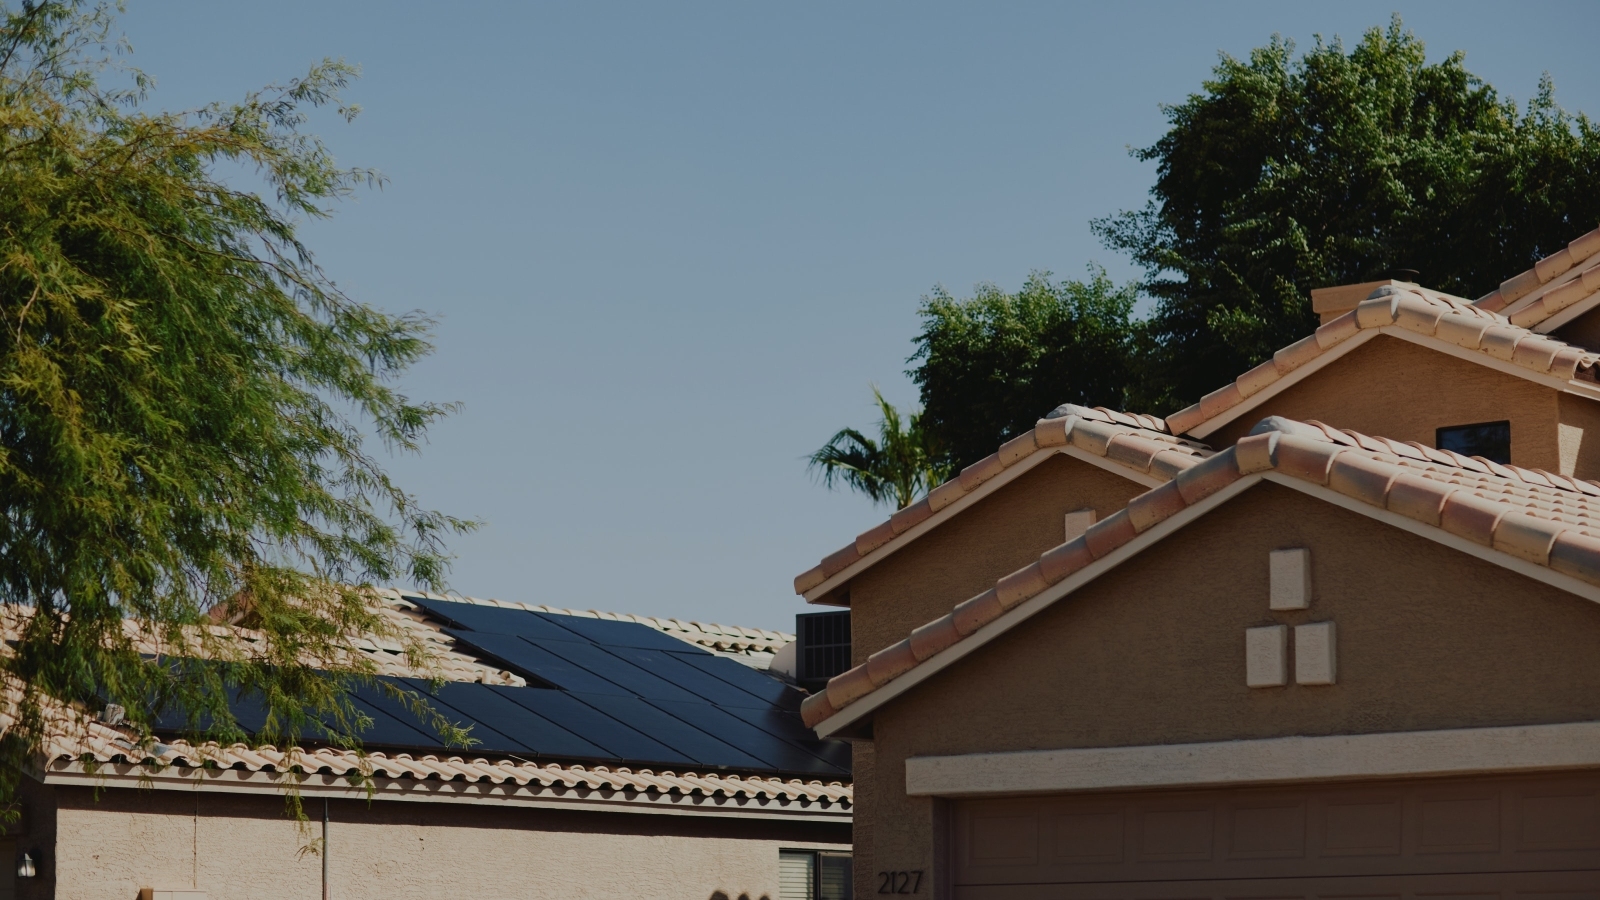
(1417, 314)
(1139, 445)
(1568, 279)
(1526, 515)
(754, 646)
(86, 747)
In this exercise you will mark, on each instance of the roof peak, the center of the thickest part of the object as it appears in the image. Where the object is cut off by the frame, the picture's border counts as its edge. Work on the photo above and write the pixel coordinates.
(1544, 525)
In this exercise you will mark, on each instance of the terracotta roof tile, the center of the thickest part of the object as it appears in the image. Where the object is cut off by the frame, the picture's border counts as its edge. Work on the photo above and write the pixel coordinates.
(1138, 443)
(1530, 514)
(1428, 313)
(1531, 297)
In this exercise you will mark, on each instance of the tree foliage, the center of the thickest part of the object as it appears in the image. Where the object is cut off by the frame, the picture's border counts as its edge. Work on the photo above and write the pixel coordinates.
(988, 367)
(187, 403)
(1288, 173)
(896, 468)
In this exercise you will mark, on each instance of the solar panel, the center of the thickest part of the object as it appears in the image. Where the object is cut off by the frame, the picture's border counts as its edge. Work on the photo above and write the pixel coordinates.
(745, 678)
(592, 725)
(787, 726)
(499, 620)
(377, 698)
(538, 662)
(388, 731)
(703, 748)
(536, 734)
(778, 754)
(613, 633)
(670, 667)
(618, 671)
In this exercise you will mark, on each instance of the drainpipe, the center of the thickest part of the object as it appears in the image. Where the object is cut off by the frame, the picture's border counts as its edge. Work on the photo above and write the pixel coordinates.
(326, 895)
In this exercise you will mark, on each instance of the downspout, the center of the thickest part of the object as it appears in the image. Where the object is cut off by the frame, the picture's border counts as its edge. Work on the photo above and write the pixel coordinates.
(326, 895)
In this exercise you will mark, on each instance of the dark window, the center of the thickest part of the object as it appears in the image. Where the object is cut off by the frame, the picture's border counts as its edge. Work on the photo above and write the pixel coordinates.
(813, 875)
(1490, 440)
(824, 645)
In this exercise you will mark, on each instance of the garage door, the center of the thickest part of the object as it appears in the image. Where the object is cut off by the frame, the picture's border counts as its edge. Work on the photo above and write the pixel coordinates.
(1519, 838)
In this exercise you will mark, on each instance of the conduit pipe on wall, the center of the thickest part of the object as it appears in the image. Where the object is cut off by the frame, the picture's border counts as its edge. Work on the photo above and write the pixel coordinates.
(326, 894)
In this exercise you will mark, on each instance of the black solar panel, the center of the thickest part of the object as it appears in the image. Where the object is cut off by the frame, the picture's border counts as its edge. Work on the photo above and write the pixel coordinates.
(611, 691)
(390, 731)
(611, 633)
(377, 698)
(776, 753)
(535, 734)
(534, 660)
(499, 620)
(631, 678)
(602, 730)
(745, 678)
(674, 732)
(672, 668)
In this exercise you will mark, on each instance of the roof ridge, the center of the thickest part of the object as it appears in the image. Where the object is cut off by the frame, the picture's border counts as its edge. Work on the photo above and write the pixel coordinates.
(1535, 516)
(1431, 314)
(1540, 292)
(1113, 435)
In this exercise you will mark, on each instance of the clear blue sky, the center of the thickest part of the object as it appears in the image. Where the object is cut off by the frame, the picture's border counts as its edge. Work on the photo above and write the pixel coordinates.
(670, 245)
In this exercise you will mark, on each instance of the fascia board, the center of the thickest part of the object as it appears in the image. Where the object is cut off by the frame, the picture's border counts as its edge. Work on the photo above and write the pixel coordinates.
(1029, 608)
(1539, 573)
(1007, 476)
(1296, 376)
(232, 781)
(1265, 761)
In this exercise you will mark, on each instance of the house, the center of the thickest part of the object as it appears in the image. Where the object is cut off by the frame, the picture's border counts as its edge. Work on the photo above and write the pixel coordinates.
(1353, 649)
(616, 756)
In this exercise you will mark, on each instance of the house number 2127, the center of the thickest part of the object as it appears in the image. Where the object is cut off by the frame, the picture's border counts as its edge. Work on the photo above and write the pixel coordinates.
(900, 882)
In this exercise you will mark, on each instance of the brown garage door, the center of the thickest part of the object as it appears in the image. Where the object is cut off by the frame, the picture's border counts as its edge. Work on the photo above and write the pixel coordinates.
(1517, 838)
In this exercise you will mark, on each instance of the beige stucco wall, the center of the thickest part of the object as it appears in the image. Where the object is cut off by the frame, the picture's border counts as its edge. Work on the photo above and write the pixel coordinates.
(242, 846)
(1584, 331)
(1153, 653)
(964, 556)
(1399, 390)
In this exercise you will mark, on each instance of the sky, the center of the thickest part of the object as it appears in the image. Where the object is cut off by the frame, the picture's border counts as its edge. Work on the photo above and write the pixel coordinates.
(670, 247)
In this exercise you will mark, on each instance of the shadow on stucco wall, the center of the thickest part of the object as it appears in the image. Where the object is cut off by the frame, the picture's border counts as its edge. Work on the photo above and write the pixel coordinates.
(723, 895)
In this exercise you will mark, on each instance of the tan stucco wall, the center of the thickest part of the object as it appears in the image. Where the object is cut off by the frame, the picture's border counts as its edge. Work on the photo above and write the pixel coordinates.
(964, 556)
(1584, 331)
(242, 846)
(1153, 653)
(1399, 390)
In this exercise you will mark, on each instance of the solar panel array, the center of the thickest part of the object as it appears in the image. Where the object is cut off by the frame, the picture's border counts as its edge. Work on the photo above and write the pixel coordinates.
(600, 691)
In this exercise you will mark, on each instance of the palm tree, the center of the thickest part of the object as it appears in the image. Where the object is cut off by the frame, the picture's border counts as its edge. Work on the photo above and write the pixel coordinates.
(897, 467)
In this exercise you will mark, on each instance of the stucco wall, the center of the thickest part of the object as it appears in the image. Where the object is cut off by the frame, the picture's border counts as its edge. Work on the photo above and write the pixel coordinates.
(1584, 331)
(242, 846)
(995, 536)
(1399, 390)
(1153, 653)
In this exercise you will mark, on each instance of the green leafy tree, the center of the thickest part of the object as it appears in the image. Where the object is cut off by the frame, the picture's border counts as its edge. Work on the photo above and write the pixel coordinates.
(988, 367)
(896, 468)
(187, 404)
(1288, 173)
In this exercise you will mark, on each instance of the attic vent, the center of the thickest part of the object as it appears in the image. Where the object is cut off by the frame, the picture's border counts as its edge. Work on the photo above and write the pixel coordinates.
(823, 649)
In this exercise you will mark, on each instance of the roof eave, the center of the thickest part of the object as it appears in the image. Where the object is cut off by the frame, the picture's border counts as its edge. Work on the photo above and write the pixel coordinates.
(506, 794)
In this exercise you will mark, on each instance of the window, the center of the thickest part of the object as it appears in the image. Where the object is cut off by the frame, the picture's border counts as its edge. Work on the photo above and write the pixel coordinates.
(824, 646)
(1490, 440)
(813, 875)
